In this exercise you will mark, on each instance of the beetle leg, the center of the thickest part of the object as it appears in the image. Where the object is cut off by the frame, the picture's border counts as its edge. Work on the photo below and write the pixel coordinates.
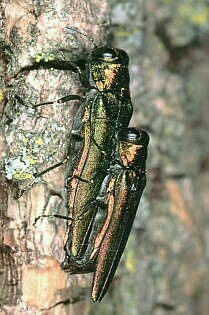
(38, 175)
(61, 100)
(59, 216)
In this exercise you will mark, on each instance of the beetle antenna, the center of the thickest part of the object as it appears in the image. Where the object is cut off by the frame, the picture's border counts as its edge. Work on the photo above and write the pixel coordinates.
(89, 38)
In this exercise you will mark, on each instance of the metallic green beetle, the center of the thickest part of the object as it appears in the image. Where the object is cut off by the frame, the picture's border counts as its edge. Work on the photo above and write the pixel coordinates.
(106, 109)
(116, 206)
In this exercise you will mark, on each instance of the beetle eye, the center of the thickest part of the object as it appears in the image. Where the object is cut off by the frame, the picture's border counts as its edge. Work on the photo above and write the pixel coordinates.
(104, 53)
(107, 55)
(132, 135)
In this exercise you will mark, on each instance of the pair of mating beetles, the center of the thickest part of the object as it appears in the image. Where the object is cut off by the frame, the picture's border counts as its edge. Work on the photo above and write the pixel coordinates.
(106, 165)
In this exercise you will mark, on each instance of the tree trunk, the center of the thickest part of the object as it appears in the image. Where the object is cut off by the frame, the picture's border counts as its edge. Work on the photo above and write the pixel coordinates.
(164, 269)
(36, 51)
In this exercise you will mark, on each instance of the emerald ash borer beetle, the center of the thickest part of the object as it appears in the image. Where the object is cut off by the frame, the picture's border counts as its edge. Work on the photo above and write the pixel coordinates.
(105, 174)
(114, 211)
(106, 108)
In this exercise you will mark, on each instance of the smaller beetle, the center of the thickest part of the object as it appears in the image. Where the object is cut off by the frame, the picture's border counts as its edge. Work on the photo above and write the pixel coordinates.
(116, 206)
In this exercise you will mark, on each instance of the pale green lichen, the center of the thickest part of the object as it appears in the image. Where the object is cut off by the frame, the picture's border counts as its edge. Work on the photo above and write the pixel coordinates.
(18, 168)
(1, 95)
(39, 141)
(44, 57)
(22, 175)
(22, 165)
(31, 160)
(25, 140)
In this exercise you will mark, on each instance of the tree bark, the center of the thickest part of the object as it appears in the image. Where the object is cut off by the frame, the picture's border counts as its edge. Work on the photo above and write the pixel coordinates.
(36, 51)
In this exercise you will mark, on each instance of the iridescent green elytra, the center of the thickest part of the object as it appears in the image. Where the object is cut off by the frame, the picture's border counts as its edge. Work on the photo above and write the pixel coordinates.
(106, 109)
(120, 192)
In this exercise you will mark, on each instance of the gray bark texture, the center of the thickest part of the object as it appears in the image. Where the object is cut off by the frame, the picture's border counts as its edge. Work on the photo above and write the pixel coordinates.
(165, 266)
